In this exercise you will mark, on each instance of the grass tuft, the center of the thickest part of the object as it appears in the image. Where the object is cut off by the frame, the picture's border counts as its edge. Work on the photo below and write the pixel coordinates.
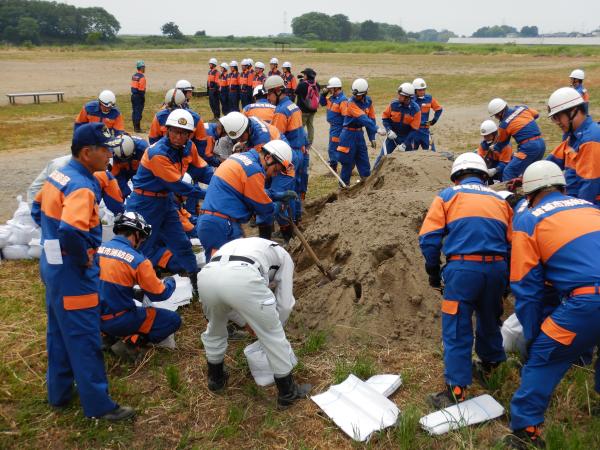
(363, 367)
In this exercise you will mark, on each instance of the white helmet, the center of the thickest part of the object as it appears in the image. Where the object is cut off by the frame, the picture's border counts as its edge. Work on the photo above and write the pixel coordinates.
(287, 65)
(259, 65)
(180, 118)
(468, 163)
(360, 86)
(184, 85)
(280, 150)
(563, 99)
(187, 178)
(233, 63)
(273, 82)
(213, 61)
(541, 174)
(250, 62)
(496, 105)
(578, 74)
(274, 61)
(419, 83)
(225, 66)
(244, 62)
(234, 124)
(175, 97)
(334, 82)
(125, 148)
(258, 90)
(488, 127)
(505, 194)
(406, 89)
(107, 98)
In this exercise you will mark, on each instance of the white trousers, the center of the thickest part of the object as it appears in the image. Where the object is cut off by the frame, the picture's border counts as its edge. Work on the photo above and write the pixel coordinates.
(238, 286)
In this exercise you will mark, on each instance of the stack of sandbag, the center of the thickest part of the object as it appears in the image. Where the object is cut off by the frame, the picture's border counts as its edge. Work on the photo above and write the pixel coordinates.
(20, 237)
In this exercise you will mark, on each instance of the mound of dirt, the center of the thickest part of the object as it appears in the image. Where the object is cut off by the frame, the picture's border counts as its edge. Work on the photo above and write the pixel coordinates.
(371, 232)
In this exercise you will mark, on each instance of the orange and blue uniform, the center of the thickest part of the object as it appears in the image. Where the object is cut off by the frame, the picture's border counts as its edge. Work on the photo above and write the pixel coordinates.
(262, 109)
(427, 104)
(111, 192)
(212, 87)
(158, 129)
(121, 268)
(352, 149)
(235, 193)
(91, 113)
(234, 83)
(579, 156)
(558, 242)
(493, 159)
(224, 92)
(259, 78)
(138, 97)
(246, 80)
(402, 120)
(274, 72)
(124, 169)
(259, 133)
(585, 95)
(158, 179)
(519, 123)
(336, 109)
(471, 224)
(291, 83)
(66, 208)
(211, 139)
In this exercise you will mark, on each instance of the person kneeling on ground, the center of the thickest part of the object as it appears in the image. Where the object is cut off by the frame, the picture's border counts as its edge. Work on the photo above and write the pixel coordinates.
(237, 278)
(121, 268)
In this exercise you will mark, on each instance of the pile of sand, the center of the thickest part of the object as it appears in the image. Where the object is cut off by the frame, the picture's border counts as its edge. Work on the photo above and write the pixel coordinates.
(371, 232)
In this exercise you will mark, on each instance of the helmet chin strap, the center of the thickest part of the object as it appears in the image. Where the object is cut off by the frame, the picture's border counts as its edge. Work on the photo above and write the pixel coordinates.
(571, 116)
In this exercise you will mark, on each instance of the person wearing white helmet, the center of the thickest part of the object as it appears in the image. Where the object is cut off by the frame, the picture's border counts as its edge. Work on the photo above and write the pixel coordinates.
(246, 82)
(234, 84)
(556, 242)
(401, 120)
(159, 178)
(495, 161)
(224, 88)
(259, 74)
(212, 87)
(261, 108)
(336, 102)
(579, 153)
(291, 83)
(274, 67)
(427, 103)
(138, 94)
(104, 110)
(577, 76)
(352, 149)
(187, 88)
(518, 122)
(247, 132)
(471, 224)
(126, 160)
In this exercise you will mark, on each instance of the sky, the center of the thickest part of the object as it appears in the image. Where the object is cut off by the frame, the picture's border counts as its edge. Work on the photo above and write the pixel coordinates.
(266, 17)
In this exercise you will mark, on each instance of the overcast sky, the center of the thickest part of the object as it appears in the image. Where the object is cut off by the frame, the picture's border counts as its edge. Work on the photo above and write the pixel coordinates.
(265, 17)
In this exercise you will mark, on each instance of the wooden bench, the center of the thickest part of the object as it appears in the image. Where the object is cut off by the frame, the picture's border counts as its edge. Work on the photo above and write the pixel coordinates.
(36, 96)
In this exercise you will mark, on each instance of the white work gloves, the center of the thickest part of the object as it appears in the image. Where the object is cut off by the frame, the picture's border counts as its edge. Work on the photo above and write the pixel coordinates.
(381, 131)
(239, 147)
(491, 172)
(391, 135)
(402, 147)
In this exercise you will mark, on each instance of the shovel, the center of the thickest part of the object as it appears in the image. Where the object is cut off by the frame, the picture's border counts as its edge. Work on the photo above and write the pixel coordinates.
(330, 274)
(329, 167)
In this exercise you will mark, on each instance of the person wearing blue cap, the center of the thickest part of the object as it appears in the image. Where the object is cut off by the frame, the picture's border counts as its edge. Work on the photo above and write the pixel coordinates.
(66, 208)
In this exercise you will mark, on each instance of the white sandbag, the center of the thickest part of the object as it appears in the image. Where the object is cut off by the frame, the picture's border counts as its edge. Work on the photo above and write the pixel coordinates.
(35, 249)
(259, 364)
(357, 408)
(470, 412)
(182, 295)
(5, 232)
(385, 384)
(200, 259)
(513, 339)
(168, 342)
(108, 219)
(20, 234)
(16, 252)
(23, 214)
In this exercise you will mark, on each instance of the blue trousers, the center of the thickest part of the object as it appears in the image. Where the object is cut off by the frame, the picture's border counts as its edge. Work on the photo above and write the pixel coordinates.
(214, 232)
(234, 100)
(471, 287)
(161, 213)
(246, 98)
(224, 98)
(73, 339)
(422, 139)
(550, 359)
(352, 151)
(213, 101)
(334, 141)
(137, 107)
(528, 153)
(165, 323)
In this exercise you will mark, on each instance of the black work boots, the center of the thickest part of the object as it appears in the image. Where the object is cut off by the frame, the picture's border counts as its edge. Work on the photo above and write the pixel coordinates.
(525, 438)
(448, 397)
(289, 391)
(118, 414)
(217, 377)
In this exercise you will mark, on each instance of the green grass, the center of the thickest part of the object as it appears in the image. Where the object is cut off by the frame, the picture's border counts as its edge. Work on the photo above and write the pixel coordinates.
(362, 366)
(313, 343)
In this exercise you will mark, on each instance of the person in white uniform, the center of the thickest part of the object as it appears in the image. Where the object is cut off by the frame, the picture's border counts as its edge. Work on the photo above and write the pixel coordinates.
(238, 277)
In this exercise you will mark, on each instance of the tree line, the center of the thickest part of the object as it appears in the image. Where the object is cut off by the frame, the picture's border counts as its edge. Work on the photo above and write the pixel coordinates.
(35, 22)
(505, 30)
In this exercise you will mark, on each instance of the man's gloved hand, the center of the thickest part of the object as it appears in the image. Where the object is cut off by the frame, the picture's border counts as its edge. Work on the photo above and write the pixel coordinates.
(402, 147)
(513, 184)
(138, 294)
(286, 196)
(492, 172)
(391, 135)
(435, 279)
(373, 144)
(381, 131)
(324, 91)
(431, 122)
(239, 147)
